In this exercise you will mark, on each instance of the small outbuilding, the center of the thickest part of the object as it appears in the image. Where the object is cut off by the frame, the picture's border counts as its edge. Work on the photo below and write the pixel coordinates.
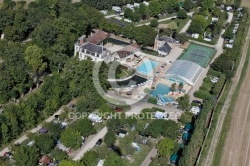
(45, 160)
(174, 159)
(122, 133)
(195, 110)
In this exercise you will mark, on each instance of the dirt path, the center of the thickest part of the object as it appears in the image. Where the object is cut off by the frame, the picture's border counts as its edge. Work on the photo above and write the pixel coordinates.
(151, 154)
(236, 150)
(209, 159)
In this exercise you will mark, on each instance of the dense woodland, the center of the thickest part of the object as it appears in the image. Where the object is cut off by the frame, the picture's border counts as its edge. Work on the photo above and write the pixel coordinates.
(52, 28)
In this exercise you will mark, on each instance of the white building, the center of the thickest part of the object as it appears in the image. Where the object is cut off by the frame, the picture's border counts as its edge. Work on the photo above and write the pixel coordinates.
(229, 45)
(116, 8)
(163, 45)
(89, 48)
(161, 115)
(195, 35)
(195, 110)
(104, 12)
(229, 8)
(146, 3)
(100, 163)
(95, 118)
(214, 19)
(136, 4)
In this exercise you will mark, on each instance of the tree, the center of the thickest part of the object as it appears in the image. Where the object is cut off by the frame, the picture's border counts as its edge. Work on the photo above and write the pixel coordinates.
(188, 5)
(44, 143)
(184, 102)
(103, 151)
(166, 31)
(182, 14)
(182, 38)
(172, 26)
(110, 138)
(180, 87)
(198, 24)
(145, 35)
(207, 4)
(89, 158)
(34, 57)
(54, 129)
(144, 11)
(217, 12)
(84, 127)
(114, 124)
(71, 138)
(25, 155)
(154, 8)
(165, 147)
(154, 23)
(186, 117)
(173, 87)
(112, 160)
(128, 13)
(59, 154)
(170, 129)
(105, 110)
(228, 34)
(155, 128)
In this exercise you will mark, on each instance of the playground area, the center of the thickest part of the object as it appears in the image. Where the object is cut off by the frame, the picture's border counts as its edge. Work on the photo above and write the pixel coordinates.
(198, 54)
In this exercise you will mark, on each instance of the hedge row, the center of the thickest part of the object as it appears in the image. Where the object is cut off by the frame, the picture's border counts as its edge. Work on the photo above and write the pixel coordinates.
(214, 73)
(202, 94)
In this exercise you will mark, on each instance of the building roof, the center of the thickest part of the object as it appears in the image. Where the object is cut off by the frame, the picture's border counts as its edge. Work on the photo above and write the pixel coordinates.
(97, 37)
(45, 160)
(93, 48)
(186, 70)
(167, 39)
(173, 157)
(188, 127)
(186, 136)
(165, 48)
(128, 50)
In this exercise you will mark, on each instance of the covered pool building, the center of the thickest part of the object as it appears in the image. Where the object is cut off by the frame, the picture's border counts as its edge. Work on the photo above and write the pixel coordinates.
(184, 71)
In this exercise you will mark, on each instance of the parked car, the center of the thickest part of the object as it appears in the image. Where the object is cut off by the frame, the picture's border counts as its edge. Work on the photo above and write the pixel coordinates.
(99, 142)
(196, 101)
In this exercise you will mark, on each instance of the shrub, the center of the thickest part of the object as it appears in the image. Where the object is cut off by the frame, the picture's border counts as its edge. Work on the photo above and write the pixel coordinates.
(214, 73)
(202, 94)
(152, 100)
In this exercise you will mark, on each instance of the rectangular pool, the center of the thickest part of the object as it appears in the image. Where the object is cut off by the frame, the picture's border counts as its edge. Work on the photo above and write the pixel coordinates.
(147, 66)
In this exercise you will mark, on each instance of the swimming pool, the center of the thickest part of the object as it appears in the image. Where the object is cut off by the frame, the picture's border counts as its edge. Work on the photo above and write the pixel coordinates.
(168, 99)
(147, 66)
(160, 89)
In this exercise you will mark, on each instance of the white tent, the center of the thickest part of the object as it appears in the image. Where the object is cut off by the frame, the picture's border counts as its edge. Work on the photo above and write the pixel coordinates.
(195, 110)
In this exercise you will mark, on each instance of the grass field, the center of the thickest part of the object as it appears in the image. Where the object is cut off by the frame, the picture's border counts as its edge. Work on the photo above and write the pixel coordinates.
(198, 54)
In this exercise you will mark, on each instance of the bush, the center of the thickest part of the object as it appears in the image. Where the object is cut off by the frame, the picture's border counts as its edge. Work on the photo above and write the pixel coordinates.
(154, 109)
(214, 73)
(152, 100)
(186, 117)
(202, 94)
(206, 79)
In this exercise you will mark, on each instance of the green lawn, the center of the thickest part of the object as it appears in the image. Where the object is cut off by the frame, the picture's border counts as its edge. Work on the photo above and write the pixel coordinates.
(181, 23)
(140, 156)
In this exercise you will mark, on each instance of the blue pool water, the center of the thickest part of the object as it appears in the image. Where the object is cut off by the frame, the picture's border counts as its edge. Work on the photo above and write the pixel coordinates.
(160, 89)
(168, 99)
(147, 66)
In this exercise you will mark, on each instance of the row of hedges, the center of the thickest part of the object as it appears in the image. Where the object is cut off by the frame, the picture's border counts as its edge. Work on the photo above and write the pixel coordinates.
(202, 94)
(192, 149)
